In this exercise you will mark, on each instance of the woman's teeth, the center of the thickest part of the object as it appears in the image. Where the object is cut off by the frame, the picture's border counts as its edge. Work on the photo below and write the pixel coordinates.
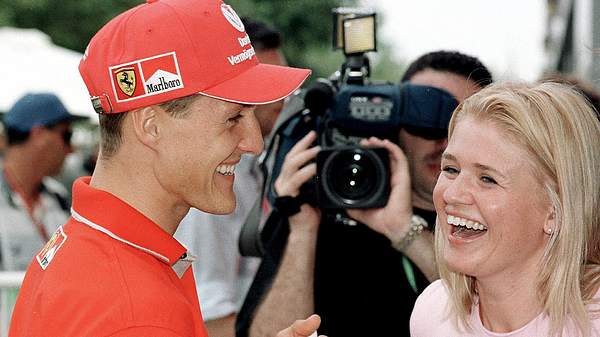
(460, 222)
(226, 170)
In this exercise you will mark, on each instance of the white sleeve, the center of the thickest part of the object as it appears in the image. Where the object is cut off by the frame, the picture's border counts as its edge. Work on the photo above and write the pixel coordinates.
(210, 238)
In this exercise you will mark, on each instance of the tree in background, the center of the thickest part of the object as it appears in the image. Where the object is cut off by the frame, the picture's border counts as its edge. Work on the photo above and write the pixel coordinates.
(70, 23)
(306, 27)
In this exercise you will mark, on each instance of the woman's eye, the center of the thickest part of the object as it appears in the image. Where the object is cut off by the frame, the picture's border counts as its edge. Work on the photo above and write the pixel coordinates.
(488, 180)
(450, 170)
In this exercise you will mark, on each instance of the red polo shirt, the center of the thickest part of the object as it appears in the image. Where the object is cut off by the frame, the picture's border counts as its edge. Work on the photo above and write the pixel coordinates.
(110, 271)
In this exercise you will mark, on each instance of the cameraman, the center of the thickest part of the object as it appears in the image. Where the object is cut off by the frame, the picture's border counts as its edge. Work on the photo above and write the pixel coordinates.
(351, 273)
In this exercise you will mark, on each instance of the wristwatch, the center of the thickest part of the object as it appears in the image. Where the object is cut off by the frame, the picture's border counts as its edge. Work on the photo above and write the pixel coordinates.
(417, 225)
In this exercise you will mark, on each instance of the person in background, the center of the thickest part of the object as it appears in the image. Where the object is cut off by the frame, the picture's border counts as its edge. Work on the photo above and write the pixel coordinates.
(175, 83)
(517, 202)
(584, 87)
(32, 203)
(353, 273)
(2, 140)
(222, 274)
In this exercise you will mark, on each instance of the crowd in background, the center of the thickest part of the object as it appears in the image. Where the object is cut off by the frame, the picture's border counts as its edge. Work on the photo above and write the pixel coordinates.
(488, 154)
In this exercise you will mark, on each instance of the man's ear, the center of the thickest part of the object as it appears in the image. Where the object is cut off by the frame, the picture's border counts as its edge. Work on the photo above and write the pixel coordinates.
(146, 126)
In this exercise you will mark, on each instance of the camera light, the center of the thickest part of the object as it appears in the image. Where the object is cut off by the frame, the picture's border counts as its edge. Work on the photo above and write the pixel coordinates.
(357, 157)
(359, 34)
(342, 13)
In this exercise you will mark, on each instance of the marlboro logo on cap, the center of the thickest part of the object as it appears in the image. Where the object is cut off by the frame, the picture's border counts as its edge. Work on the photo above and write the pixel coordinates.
(166, 49)
(156, 75)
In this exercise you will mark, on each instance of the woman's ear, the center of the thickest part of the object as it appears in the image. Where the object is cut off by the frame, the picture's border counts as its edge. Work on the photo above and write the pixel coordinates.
(146, 125)
(550, 226)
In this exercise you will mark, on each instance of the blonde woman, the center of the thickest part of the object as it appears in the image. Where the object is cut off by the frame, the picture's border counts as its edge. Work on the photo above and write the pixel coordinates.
(518, 205)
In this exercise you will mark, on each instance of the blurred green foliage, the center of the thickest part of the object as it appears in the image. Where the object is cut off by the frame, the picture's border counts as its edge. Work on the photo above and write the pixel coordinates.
(305, 25)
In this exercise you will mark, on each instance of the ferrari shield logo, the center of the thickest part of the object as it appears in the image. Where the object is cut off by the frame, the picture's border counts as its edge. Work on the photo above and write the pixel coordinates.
(126, 80)
(45, 256)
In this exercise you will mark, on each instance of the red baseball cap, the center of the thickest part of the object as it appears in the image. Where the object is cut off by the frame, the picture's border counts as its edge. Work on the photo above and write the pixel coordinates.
(166, 49)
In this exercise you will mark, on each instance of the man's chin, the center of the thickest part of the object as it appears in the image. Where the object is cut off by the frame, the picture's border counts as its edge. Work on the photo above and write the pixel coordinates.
(225, 208)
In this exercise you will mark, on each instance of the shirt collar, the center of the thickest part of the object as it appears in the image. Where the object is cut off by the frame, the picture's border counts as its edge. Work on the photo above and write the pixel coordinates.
(107, 213)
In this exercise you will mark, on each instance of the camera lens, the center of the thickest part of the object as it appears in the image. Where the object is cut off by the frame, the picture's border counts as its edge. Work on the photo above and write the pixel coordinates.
(352, 175)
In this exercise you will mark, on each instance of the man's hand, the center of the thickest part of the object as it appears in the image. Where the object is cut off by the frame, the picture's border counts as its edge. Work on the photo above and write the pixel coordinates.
(302, 327)
(392, 220)
(294, 173)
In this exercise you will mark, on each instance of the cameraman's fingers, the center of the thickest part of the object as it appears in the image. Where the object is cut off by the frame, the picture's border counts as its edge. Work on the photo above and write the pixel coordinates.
(372, 142)
(291, 186)
(397, 156)
(303, 143)
(299, 159)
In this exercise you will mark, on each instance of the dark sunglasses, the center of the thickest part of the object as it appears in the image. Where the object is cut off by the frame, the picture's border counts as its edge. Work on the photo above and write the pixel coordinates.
(427, 133)
(66, 136)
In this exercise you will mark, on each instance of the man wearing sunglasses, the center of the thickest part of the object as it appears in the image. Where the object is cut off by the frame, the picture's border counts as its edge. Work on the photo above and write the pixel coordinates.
(353, 273)
(32, 204)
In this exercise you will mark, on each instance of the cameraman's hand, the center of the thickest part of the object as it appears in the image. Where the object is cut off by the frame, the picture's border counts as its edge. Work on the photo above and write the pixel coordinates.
(393, 220)
(294, 172)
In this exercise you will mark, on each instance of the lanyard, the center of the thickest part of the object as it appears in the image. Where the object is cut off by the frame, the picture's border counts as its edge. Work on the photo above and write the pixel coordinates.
(30, 204)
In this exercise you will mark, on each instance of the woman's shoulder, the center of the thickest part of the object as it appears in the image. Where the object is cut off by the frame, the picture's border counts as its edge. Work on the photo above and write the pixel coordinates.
(430, 309)
(436, 292)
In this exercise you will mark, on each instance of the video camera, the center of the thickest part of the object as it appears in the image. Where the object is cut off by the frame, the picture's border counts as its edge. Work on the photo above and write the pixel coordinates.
(348, 107)
(344, 109)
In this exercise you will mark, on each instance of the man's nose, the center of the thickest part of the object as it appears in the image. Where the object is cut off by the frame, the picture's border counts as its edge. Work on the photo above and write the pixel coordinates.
(252, 140)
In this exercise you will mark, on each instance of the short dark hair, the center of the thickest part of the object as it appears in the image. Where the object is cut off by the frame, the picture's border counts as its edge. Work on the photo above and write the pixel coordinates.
(261, 35)
(111, 124)
(451, 61)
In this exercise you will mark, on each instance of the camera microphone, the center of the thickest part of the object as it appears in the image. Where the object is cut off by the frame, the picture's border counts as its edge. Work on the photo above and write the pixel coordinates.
(319, 97)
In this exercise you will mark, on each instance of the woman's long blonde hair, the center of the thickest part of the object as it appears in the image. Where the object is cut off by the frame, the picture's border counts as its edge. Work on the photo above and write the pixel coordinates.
(561, 134)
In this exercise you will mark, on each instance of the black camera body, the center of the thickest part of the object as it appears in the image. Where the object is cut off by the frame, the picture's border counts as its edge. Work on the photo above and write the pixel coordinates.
(348, 107)
(348, 174)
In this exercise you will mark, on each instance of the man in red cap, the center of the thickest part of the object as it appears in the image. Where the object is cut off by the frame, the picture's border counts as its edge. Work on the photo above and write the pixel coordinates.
(175, 83)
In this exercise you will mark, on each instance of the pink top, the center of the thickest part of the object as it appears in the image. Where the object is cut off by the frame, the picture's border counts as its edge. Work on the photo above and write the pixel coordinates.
(430, 319)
